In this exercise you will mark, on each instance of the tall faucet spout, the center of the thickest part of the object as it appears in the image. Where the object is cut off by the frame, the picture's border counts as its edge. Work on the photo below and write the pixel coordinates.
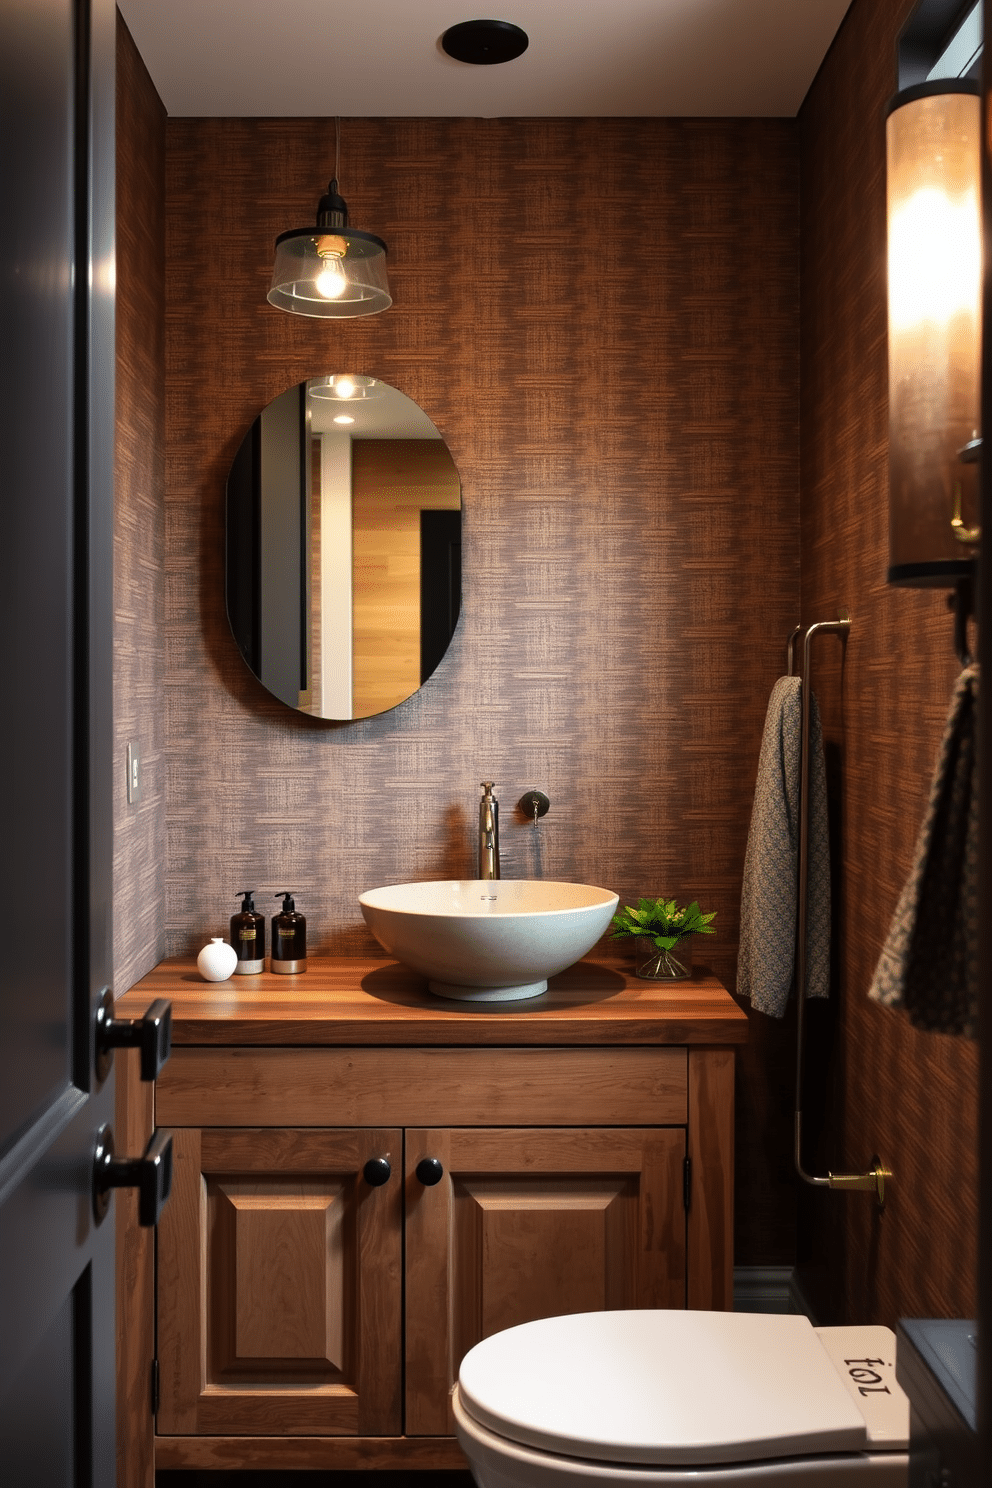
(488, 833)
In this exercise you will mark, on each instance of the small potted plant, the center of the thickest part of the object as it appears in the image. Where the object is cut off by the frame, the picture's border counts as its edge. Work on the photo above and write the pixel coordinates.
(660, 925)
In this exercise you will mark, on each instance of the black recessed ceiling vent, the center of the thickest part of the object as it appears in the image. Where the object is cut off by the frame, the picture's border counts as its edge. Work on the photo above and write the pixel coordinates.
(484, 42)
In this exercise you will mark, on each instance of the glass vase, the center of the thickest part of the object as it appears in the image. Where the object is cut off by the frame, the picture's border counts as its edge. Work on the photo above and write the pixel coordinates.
(655, 964)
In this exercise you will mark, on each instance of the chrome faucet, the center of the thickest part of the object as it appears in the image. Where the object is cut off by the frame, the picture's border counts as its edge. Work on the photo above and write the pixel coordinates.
(488, 833)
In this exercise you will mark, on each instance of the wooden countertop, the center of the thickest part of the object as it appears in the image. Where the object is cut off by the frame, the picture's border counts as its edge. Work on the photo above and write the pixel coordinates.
(364, 1000)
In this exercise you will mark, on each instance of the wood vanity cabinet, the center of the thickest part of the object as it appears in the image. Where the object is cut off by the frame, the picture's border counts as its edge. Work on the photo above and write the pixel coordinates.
(308, 1315)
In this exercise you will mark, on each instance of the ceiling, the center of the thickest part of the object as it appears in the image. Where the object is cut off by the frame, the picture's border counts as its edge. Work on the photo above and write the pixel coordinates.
(586, 58)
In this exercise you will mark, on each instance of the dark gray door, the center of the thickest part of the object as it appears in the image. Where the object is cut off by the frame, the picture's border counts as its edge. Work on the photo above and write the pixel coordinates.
(56, 503)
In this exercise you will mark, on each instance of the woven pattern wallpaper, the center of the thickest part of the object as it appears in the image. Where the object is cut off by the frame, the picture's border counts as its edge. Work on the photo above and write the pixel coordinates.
(877, 1085)
(139, 519)
(601, 317)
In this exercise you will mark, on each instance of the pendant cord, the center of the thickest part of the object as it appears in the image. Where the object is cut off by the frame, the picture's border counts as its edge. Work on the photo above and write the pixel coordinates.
(337, 149)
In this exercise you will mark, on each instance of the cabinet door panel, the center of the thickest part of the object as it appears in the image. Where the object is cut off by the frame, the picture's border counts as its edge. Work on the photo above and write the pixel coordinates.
(546, 1246)
(280, 1284)
(527, 1224)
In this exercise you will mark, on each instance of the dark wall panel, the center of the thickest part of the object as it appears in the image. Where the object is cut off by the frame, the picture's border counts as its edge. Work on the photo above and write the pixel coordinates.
(910, 1096)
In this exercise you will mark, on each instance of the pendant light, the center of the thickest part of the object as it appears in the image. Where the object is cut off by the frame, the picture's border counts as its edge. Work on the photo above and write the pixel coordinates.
(330, 270)
(933, 135)
(344, 387)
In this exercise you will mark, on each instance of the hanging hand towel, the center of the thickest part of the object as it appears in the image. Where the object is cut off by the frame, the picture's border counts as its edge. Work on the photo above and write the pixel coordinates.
(766, 964)
(929, 963)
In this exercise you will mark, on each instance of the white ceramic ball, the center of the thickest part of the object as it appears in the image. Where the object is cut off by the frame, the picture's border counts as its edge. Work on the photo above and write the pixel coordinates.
(217, 960)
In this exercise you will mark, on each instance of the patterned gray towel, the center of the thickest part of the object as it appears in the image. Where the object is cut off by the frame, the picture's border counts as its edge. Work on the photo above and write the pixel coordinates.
(929, 963)
(769, 895)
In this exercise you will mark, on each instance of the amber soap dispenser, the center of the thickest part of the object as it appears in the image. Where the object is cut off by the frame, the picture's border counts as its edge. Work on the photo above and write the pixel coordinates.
(248, 936)
(289, 939)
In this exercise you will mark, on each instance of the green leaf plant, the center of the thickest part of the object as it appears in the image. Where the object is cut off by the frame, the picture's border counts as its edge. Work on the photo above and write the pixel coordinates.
(663, 921)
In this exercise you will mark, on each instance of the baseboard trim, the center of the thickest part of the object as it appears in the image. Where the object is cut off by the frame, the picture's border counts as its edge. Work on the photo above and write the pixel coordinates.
(800, 1300)
(769, 1289)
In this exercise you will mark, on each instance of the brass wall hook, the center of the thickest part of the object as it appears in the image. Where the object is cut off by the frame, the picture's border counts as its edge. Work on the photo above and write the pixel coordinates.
(865, 1182)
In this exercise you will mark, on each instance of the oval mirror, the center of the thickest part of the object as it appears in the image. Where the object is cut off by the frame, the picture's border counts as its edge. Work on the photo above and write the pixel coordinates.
(343, 547)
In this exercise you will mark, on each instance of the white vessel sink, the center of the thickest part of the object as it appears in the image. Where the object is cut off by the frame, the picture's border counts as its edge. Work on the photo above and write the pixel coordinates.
(484, 941)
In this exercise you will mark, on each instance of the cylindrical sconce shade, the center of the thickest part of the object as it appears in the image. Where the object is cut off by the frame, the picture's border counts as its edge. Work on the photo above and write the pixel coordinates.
(337, 274)
(935, 270)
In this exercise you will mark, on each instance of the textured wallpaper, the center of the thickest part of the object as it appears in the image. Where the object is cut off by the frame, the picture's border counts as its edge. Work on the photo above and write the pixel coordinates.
(876, 1085)
(139, 520)
(601, 318)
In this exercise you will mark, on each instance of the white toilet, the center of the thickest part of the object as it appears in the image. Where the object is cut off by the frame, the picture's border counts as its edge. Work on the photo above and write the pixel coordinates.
(683, 1398)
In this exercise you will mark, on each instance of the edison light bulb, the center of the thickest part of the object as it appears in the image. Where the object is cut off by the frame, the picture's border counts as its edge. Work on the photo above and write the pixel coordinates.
(331, 281)
(935, 258)
(344, 387)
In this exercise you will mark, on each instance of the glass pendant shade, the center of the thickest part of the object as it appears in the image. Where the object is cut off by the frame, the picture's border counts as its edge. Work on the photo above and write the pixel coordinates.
(933, 137)
(344, 387)
(330, 270)
(348, 280)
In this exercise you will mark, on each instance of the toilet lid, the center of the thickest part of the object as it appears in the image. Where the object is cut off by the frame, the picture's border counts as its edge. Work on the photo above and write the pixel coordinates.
(662, 1387)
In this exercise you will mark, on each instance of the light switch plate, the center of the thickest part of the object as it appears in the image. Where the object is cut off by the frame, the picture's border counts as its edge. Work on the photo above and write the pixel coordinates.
(133, 775)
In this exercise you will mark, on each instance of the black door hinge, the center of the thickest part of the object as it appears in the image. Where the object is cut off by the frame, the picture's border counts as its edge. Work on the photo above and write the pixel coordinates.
(686, 1182)
(155, 1391)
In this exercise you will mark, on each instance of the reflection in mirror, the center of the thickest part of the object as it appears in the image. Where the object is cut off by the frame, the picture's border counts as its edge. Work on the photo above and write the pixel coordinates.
(343, 547)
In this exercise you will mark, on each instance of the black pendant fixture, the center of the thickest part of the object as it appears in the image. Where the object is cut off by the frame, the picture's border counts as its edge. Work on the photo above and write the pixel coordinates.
(484, 43)
(330, 269)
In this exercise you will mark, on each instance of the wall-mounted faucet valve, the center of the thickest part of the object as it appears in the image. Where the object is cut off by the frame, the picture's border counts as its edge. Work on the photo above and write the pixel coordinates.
(534, 804)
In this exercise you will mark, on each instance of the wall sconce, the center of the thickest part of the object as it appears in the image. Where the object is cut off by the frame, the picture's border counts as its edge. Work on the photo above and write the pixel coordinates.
(933, 134)
(331, 269)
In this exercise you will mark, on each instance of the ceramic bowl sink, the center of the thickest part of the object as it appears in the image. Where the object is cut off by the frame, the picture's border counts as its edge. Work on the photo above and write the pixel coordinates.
(488, 942)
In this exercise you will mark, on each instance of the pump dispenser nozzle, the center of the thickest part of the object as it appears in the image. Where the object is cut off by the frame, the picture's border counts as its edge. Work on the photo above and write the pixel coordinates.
(248, 936)
(289, 938)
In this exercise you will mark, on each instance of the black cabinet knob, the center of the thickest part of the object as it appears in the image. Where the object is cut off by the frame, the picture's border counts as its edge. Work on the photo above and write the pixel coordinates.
(150, 1174)
(152, 1034)
(429, 1171)
(377, 1171)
